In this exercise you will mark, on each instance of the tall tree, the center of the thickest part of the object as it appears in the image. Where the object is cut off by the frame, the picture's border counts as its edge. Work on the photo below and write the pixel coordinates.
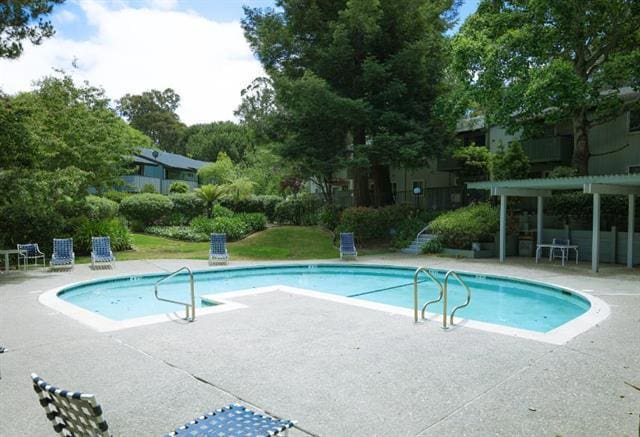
(530, 60)
(206, 141)
(24, 19)
(387, 56)
(154, 114)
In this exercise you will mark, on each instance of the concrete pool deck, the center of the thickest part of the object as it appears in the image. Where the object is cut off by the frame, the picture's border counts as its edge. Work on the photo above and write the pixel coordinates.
(339, 370)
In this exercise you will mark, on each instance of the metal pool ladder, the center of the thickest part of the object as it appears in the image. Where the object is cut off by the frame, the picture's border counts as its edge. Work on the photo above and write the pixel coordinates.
(186, 304)
(443, 286)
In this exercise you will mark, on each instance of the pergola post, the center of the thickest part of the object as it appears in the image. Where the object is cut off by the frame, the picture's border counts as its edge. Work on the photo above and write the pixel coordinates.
(595, 238)
(539, 220)
(503, 227)
(630, 229)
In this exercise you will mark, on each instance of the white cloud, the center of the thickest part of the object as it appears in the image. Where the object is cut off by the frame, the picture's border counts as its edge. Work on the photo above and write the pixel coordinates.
(133, 50)
(64, 17)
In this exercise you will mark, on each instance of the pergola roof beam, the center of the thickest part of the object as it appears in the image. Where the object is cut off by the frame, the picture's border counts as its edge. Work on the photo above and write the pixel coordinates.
(519, 192)
(611, 189)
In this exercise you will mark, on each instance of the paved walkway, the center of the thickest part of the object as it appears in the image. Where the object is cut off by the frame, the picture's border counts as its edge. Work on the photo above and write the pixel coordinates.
(339, 370)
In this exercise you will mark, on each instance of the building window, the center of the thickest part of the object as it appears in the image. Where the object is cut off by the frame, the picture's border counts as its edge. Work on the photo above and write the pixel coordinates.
(634, 169)
(417, 188)
(634, 121)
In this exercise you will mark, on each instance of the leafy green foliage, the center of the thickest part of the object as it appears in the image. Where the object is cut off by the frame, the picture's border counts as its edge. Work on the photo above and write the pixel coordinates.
(407, 229)
(302, 210)
(221, 211)
(186, 206)
(475, 160)
(116, 196)
(563, 172)
(459, 228)
(432, 246)
(210, 193)
(330, 216)
(219, 172)
(99, 208)
(264, 204)
(154, 113)
(377, 225)
(113, 228)
(146, 209)
(255, 221)
(183, 233)
(179, 187)
(235, 227)
(524, 62)
(207, 141)
(148, 188)
(512, 163)
(20, 20)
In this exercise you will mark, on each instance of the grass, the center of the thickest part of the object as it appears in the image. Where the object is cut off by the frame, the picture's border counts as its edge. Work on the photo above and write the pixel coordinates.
(277, 243)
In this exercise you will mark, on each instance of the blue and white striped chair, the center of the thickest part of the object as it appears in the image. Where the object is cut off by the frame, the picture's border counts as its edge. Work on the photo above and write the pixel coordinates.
(72, 413)
(78, 414)
(218, 249)
(30, 251)
(347, 245)
(63, 255)
(101, 251)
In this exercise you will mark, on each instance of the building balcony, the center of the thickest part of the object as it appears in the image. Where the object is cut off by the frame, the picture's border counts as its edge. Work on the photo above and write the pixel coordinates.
(136, 183)
(549, 149)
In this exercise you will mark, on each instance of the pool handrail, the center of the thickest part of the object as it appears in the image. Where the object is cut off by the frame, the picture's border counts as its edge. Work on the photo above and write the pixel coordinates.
(443, 286)
(427, 272)
(192, 289)
(449, 274)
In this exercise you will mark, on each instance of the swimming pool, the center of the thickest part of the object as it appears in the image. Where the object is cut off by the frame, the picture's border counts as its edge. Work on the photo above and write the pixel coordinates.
(496, 300)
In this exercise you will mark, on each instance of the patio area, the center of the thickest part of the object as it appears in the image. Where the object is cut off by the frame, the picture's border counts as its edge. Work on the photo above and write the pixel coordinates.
(339, 370)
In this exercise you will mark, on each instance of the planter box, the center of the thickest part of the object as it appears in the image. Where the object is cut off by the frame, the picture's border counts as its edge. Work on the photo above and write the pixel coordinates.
(462, 253)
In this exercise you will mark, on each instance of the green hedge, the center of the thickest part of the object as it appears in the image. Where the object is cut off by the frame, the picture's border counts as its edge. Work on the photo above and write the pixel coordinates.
(184, 233)
(220, 211)
(255, 221)
(100, 208)
(146, 209)
(186, 206)
(301, 211)
(84, 229)
(379, 225)
(264, 204)
(459, 228)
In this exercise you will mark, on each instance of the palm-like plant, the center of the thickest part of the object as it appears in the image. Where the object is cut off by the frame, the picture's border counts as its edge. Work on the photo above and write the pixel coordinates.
(240, 188)
(210, 193)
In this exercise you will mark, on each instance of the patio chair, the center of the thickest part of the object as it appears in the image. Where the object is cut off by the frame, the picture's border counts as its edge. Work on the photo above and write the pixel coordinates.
(347, 245)
(101, 251)
(63, 255)
(75, 413)
(218, 249)
(30, 251)
(557, 249)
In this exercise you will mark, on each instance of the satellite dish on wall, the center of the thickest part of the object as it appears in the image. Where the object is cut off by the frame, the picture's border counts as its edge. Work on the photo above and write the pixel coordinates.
(155, 153)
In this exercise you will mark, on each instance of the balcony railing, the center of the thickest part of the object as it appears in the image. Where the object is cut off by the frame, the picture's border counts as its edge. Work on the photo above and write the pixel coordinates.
(549, 149)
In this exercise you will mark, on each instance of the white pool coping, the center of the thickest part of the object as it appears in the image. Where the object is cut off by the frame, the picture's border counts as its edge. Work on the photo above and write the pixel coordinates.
(224, 302)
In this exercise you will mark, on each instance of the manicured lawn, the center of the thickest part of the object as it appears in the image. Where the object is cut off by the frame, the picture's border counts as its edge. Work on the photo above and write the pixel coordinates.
(278, 243)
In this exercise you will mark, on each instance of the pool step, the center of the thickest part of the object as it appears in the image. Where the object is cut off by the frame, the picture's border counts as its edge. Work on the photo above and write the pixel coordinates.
(415, 248)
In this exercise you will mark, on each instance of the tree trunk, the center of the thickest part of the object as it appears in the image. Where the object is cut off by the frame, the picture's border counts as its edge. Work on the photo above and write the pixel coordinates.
(383, 192)
(581, 152)
(360, 175)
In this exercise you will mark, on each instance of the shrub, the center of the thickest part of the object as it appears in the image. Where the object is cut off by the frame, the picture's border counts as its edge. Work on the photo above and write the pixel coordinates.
(148, 188)
(330, 216)
(186, 206)
(234, 227)
(459, 228)
(432, 246)
(179, 187)
(264, 204)
(512, 163)
(113, 228)
(116, 196)
(184, 233)
(146, 209)
(220, 211)
(367, 224)
(255, 221)
(99, 208)
(302, 210)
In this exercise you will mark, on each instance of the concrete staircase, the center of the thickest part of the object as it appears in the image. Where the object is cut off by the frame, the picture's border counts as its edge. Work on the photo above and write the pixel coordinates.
(415, 247)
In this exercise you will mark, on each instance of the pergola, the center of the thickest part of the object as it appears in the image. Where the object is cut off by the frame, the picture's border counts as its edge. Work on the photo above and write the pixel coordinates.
(625, 184)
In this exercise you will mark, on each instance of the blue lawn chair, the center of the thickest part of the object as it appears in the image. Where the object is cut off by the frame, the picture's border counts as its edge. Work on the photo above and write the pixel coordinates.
(30, 251)
(347, 245)
(63, 255)
(75, 413)
(218, 249)
(101, 251)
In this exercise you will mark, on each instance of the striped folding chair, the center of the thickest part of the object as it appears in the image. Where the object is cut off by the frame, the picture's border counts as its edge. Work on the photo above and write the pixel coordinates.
(63, 255)
(78, 414)
(30, 251)
(218, 249)
(347, 245)
(101, 251)
(71, 413)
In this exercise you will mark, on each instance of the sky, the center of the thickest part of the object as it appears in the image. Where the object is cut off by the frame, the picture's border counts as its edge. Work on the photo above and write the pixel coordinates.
(195, 47)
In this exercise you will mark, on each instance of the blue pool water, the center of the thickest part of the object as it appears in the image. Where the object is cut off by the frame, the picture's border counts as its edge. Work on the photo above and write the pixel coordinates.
(502, 301)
